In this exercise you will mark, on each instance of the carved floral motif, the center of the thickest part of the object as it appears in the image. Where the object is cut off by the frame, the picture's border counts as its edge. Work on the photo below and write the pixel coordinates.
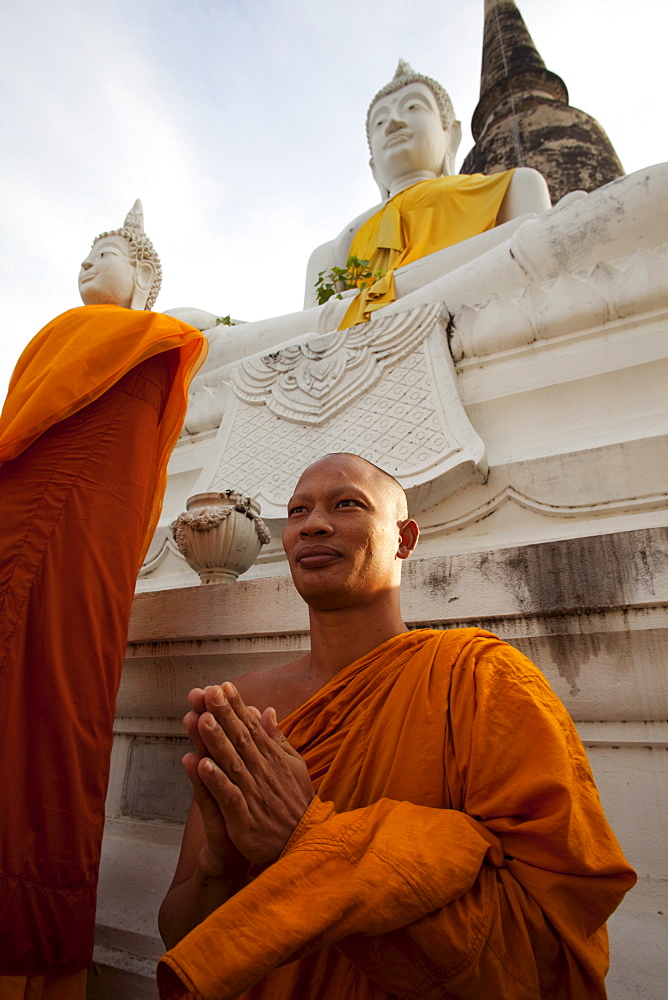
(309, 383)
(385, 390)
(569, 303)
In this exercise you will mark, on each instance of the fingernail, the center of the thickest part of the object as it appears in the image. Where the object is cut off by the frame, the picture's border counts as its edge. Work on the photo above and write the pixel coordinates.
(207, 766)
(209, 721)
(230, 689)
(219, 697)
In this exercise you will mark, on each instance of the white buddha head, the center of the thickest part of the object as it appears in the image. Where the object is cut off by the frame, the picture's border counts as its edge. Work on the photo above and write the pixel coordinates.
(122, 268)
(412, 130)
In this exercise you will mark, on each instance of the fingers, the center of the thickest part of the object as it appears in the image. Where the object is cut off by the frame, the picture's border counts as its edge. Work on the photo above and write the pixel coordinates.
(228, 796)
(191, 722)
(239, 723)
(237, 737)
(269, 723)
(207, 806)
(196, 699)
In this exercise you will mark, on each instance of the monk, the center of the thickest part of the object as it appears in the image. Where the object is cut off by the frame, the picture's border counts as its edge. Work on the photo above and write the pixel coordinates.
(423, 822)
(95, 405)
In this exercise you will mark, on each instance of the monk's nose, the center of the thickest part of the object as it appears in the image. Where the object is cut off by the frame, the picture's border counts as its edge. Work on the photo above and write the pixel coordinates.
(86, 264)
(316, 524)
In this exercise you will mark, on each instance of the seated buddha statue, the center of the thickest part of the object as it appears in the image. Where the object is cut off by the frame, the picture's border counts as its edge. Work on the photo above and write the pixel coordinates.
(442, 237)
(413, 138)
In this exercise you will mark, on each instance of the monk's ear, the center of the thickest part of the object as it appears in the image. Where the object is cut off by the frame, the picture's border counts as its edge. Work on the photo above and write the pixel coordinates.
(408, 538)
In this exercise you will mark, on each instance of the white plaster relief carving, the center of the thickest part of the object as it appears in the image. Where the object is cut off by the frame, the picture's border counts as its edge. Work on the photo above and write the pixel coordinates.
(161, 545)
(385, 389)
(309, 383)
(565, 304)
(512, 496)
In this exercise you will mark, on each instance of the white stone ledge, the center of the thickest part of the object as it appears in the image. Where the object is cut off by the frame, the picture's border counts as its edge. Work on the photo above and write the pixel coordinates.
(652, 735)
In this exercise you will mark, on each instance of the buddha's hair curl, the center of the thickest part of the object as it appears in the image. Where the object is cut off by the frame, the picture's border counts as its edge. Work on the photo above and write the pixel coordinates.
(404, 75)
(141, 248)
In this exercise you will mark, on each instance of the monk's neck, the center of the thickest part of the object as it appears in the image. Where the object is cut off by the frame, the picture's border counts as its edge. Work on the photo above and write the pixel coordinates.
(341, 637)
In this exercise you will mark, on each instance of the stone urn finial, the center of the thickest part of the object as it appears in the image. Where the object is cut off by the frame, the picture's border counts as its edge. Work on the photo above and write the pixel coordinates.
(220, 535)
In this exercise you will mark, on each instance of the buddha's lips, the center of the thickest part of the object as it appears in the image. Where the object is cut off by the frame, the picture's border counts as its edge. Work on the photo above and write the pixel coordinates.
(403, 134)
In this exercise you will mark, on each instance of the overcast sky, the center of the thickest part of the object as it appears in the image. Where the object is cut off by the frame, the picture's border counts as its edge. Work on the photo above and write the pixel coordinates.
(240, 125)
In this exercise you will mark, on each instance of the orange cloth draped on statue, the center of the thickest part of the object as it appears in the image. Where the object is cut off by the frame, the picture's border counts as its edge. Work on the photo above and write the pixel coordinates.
(456, 846)
(83, 460)
(44, 987)
(428, 216)
(76, 357)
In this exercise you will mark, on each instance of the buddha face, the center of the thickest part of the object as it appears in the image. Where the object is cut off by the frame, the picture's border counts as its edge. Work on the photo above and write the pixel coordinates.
(407, 135)
(108, 274)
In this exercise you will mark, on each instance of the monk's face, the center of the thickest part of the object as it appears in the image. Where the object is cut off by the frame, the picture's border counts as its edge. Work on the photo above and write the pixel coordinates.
(343, 534)
(407, 134)
(108, 274)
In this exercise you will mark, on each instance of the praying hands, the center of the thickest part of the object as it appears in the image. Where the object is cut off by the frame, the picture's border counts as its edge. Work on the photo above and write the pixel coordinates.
(251, 787)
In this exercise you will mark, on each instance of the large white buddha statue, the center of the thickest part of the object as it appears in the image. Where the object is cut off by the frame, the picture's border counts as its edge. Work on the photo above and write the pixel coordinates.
(443, 237)
(413, 137)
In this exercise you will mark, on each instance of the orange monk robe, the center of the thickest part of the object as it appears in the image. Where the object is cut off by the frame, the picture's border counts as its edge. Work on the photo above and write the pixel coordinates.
(456, 847)
(95, 405)
(428, 216)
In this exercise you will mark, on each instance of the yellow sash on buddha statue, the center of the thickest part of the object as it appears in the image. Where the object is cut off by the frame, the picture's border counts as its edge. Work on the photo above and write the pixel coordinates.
(424, 218)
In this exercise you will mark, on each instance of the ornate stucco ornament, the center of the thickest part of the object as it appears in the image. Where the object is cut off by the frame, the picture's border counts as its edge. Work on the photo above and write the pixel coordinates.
(386, 390)
(309, 383)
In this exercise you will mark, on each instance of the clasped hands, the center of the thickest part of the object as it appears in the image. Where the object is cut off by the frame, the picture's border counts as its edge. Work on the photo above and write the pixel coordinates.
(251, 786)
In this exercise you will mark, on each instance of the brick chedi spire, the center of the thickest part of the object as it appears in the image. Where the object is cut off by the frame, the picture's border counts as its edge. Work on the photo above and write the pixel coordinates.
(523, 117)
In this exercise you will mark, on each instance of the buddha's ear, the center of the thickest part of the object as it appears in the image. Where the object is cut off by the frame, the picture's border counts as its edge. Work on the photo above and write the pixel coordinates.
(453, 137)
(144, 275)
(384, 193)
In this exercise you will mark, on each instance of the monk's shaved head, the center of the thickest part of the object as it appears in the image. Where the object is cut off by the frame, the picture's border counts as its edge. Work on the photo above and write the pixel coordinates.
(347, 535)
(386, 482)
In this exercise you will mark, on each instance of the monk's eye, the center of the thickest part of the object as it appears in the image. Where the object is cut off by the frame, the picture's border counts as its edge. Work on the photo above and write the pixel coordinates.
(296, 510)
(348, 503)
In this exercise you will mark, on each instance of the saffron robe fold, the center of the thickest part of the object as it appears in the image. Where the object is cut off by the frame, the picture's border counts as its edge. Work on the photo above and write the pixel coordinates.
(81, 469)
(456, 847)
(80, 354)
(71, 987)
(428, 216)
